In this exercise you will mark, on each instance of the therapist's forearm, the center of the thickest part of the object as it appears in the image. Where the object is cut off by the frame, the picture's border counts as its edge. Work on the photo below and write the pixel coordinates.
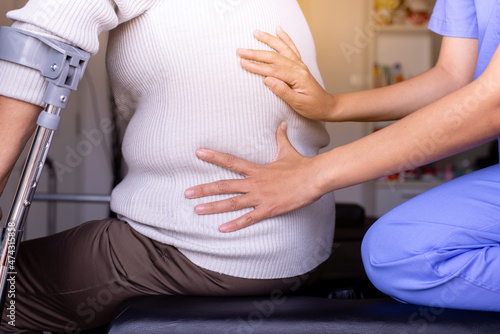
(464, 119)
(395, 101)
(17, 123)
(453, 70)
(289, 78)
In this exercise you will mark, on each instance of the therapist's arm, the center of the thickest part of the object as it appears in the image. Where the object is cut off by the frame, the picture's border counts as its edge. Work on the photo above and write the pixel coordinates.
(17, 124)
(288, 77)
(464, 119)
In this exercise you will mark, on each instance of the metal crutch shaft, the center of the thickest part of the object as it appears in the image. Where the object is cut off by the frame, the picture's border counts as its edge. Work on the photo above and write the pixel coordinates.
(14, 226)
(63, 67)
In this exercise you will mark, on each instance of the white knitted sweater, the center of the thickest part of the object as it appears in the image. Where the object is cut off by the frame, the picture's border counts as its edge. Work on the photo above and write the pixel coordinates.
(176, 76)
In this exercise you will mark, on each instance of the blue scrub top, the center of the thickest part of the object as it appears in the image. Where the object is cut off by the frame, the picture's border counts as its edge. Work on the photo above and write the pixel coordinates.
(478, 19)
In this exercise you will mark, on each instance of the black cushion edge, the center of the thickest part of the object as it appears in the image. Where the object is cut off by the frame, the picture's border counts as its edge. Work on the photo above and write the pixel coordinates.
(292, 315)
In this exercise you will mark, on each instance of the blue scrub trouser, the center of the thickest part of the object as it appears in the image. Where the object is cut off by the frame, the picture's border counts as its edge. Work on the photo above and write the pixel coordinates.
(442, 248)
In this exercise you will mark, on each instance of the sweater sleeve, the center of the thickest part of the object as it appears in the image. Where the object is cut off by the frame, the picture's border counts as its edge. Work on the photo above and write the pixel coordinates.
(76, 22)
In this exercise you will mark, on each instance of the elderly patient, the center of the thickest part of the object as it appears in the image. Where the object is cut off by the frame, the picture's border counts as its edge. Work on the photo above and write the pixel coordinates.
(177, 80)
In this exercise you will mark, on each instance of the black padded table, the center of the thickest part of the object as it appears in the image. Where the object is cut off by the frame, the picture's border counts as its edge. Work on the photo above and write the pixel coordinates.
(343, 301)
(292, 315)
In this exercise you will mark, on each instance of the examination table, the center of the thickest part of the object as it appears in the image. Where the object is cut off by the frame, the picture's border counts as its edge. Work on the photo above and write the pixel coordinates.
(342, 301)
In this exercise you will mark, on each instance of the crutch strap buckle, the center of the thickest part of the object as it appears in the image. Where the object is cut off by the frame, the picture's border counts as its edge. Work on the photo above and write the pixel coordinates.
(62, 65)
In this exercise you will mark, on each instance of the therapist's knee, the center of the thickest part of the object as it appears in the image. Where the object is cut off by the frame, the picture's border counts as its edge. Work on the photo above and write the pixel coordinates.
(384, 256)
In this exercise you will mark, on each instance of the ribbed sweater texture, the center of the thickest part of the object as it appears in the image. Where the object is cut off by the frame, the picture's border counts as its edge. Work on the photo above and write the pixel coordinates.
(177, 80)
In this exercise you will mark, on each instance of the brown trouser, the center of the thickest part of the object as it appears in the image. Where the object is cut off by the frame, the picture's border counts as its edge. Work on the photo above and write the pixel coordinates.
(75, 279)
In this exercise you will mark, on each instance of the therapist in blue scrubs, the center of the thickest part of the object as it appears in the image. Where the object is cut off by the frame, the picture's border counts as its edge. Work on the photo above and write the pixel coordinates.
(440, 249)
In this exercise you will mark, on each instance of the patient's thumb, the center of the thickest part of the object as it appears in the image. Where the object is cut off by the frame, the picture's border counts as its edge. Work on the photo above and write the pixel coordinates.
(284, 145)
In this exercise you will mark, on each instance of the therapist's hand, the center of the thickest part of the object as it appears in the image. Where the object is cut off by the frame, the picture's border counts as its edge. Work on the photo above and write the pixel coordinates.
(287, 76)
(285, 184)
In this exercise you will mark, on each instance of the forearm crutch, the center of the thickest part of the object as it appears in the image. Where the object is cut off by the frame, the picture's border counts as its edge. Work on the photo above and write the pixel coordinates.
(62, 66)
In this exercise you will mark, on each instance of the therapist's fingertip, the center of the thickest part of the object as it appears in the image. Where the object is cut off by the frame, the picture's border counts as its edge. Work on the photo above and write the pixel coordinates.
(201, 153)
(189, 193)
(283, 125)
(225, 228)
(199, 209)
